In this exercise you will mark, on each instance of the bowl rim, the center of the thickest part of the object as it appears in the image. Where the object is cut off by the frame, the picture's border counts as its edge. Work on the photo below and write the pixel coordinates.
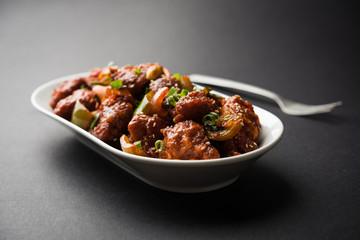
(148, 160)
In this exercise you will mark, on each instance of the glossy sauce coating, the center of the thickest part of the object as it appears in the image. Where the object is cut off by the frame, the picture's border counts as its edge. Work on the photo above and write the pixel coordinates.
(163, 82)
(187, 140)
(65, 106)
(245, 140)
(65, 89)
(193, 107)
(135, 81)
(169, 124)
(115, 114)
(147, 129)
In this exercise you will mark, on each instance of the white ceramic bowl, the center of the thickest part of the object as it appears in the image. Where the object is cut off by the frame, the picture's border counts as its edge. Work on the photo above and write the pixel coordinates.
(171, 175)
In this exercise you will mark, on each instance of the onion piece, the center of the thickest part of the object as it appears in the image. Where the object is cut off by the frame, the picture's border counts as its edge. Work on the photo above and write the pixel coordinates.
(144, 105)
(157, 100)
(131, 148)
(109, 92)
(166, 72)
(231, 123)
(81, 116)
(185, 83)
(100, 90)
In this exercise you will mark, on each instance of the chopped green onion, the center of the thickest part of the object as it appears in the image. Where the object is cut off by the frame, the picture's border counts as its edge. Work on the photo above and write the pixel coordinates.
(177, 76)
(171, 92)
(138, 145)
(216, 115)
(210, 119)
(147, 90)
(173, 97)
(94, 121)
(98, 83)
(83, 86)
(197, 89)
(171, 100)
(137, 71)
(214, 128)
(159, 145)
(183, 93)
(107, 79)
(116, 84)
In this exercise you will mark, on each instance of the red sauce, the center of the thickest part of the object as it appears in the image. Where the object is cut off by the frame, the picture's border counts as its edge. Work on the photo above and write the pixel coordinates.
(179, 132)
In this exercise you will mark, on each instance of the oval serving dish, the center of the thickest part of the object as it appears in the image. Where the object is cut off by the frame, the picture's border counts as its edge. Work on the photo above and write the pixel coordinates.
(186, 176)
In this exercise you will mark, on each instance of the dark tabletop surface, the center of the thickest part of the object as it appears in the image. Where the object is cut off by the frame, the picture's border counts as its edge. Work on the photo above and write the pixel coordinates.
(53, 187)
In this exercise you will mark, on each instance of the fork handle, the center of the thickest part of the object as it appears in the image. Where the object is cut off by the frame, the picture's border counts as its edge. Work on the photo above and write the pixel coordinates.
(221, 82)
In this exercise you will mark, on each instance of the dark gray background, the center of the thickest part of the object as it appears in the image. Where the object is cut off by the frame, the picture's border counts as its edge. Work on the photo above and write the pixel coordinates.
(53, 187)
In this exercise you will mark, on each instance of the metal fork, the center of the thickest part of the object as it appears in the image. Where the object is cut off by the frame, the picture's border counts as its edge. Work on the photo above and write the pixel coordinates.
(287, 106)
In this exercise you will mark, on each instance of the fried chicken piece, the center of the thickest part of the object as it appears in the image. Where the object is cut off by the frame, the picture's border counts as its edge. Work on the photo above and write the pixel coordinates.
(146, 129)
(65, 89)
(114, 115)
(65, 106)
(187, 140)
(194, 107)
